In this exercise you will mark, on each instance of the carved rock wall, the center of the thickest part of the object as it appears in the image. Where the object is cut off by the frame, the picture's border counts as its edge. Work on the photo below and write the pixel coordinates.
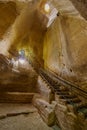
(65, 43)
(8, 14)
(81, 5)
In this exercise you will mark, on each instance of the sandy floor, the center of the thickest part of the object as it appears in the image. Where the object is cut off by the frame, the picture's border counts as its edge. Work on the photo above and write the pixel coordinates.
(21, 117)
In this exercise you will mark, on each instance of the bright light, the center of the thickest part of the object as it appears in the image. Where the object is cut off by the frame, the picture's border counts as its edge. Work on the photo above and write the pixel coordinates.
(47, 8)
(22, 61)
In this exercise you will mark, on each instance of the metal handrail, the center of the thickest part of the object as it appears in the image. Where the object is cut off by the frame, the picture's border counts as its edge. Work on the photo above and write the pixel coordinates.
(66, 83)
(70, 101)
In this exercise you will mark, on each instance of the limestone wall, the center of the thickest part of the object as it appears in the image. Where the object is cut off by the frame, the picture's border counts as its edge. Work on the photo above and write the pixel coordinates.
(65, 43)
(26, 31)
(8, 14)
(81, 5)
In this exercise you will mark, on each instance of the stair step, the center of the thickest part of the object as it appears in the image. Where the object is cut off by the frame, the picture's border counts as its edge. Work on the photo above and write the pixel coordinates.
(58, 90)
(16, 97)
(67, 96)
(19, 87)
(63, 88)
(75, 100)
(59, 94)
(74, 104)
(83, 110)
(81, 106)
(70, 101)
(62, 93)
(76, 107)
(46, 111)
(56, 87)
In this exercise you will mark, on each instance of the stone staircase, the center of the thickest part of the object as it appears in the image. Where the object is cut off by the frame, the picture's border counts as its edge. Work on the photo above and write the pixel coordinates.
(16, 87)
(70, 109)
(44, 102)
(16, 97)
(75, 111)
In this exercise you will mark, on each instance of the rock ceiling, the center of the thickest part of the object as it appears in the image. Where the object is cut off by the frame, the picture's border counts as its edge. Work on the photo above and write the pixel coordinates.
(63, 46)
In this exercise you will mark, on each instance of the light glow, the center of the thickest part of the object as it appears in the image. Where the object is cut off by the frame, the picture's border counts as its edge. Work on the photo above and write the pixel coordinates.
(22, 61)
(47, 8)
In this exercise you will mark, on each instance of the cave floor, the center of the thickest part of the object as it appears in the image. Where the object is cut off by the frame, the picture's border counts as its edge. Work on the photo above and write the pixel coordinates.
(21, 117)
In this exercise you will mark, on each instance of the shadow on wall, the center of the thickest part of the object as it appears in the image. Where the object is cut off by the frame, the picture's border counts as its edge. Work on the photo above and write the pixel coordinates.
(8, 15)
(27, 31)
(81, 6)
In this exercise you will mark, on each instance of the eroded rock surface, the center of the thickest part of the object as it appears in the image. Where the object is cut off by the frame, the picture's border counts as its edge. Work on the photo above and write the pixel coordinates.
(81, 5)
(65, 44)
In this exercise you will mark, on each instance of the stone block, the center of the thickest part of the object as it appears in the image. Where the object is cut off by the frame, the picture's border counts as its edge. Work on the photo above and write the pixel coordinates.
(45, 90)
(47, 111)
(16, 97)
